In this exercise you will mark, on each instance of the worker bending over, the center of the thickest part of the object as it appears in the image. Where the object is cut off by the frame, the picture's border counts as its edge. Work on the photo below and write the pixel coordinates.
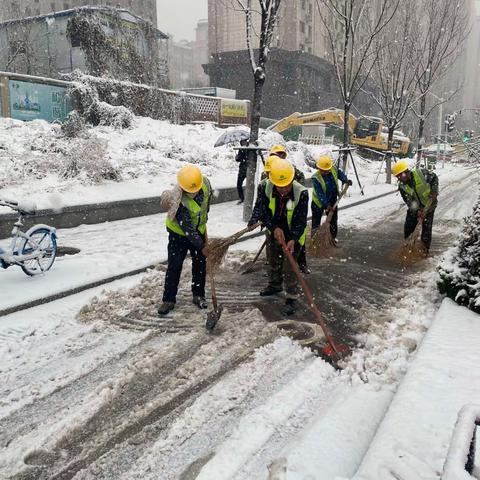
(325, 192)
(187, 233)
(419, 190)
(282, 207)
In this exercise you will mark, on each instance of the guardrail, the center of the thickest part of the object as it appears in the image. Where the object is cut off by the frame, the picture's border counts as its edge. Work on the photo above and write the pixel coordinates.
(460, 461)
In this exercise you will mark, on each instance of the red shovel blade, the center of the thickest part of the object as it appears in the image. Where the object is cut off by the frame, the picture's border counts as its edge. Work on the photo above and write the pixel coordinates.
(339, 350)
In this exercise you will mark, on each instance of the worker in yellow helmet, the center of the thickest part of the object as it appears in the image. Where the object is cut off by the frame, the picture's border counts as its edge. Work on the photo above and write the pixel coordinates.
(325, 192)
(282, 207)
(281, 152)
(419, 190)
(187, 233)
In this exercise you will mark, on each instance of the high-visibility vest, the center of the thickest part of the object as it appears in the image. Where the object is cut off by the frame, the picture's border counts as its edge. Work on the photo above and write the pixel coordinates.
(198, 213)
(298, 189)
(420, 192)
(318, 176)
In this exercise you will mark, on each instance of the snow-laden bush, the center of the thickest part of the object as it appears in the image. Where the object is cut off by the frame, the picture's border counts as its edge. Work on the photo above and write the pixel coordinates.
(74, 125)
(460, 268)
(101, 113)
(87, 161)
(94, 110)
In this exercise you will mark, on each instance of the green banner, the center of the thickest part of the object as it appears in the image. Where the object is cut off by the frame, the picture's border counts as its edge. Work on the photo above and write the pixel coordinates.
(33, 101)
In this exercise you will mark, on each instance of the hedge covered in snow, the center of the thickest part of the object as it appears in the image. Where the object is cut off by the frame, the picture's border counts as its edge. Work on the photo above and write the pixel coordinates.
(460, 268)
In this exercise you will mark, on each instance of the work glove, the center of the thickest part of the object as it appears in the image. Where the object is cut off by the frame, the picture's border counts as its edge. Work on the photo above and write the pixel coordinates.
(433, 196)
(291, 246)
(421, 215)
(279, 235)
(349, 183)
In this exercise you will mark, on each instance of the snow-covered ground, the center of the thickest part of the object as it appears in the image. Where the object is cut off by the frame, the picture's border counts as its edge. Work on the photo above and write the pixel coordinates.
(39, 164)
(85, 399)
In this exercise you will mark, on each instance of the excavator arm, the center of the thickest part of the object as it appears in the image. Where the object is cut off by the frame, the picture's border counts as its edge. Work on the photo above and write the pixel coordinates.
(329, 116)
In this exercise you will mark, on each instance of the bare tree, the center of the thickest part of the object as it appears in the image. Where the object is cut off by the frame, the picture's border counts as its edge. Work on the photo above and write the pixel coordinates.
(394, 74)
(351, 27)
(258, 45)
(442, 33)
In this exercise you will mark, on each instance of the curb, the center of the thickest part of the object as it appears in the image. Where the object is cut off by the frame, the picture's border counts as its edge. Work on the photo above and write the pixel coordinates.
(131, 273)
(88, 214)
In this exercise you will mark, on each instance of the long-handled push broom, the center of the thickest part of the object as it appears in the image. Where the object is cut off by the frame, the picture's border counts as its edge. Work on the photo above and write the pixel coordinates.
(323, 243)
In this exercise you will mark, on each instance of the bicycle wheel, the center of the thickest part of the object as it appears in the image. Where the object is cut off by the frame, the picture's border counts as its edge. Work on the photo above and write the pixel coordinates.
(45, 241)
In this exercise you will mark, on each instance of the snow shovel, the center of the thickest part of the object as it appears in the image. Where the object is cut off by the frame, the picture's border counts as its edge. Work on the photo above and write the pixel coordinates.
(332, 350)
(322, 240)
(248, 267)
(214, 316)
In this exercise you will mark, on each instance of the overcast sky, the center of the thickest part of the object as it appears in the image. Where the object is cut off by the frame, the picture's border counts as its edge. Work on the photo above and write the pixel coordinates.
(180, 17)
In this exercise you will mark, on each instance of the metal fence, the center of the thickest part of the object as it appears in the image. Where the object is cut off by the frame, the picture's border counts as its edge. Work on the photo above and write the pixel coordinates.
(26, 97)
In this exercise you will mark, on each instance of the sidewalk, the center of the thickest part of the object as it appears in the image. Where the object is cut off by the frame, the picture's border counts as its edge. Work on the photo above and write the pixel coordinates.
(413, 439)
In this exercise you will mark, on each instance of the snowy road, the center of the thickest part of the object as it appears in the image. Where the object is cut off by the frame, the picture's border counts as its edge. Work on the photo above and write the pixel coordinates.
(82, 398)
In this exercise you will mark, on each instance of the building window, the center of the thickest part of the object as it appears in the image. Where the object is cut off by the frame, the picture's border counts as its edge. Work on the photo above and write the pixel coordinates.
(302, 27)
(52, 6)
(66, 6)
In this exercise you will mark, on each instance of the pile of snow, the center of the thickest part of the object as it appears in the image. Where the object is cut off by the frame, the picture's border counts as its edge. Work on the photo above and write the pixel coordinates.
(460, 267)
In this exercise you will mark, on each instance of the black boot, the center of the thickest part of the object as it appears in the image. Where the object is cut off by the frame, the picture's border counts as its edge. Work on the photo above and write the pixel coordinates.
(270, 290)
(200, 302)
(291, 306)
(165, 307)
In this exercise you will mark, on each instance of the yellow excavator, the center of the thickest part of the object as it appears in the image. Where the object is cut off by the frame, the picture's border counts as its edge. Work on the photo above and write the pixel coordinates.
(369, 133)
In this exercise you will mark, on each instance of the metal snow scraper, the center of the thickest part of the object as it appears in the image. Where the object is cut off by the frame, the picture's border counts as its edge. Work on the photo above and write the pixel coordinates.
(214, 316)
(333, 350)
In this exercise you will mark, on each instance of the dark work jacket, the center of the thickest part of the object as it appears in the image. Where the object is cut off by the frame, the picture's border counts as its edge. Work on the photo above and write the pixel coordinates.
(262, 213)
(242, 157)
(184, 220)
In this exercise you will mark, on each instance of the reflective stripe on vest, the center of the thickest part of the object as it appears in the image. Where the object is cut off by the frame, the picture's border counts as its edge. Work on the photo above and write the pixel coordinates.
(291, 206)
(198, 213)
(318, 176)
(421, 191)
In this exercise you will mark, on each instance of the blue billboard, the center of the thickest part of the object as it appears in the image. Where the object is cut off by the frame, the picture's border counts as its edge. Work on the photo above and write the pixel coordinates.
(33, 101)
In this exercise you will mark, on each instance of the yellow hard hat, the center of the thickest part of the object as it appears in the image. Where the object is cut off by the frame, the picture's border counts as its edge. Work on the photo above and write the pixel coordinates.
(278, 149)
(269, 163)
(282, 173)
(325, 162)
(399, 167)
(190, 178)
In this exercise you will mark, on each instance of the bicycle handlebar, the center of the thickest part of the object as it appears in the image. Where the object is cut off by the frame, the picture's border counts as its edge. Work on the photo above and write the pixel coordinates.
(26, 208)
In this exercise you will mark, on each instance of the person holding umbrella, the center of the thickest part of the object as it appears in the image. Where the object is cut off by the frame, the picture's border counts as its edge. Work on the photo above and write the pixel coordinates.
(242, 159)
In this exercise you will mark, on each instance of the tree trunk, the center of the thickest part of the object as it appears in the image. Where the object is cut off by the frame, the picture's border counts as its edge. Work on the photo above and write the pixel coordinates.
(421, 129)
(346, 135)
(252, 155)
(388, 157)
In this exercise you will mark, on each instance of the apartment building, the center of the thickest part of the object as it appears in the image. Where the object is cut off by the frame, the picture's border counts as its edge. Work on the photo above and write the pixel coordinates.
(299, 27)
(14, 9)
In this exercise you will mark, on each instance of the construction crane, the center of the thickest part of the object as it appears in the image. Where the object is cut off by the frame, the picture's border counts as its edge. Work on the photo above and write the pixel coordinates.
(368, 133)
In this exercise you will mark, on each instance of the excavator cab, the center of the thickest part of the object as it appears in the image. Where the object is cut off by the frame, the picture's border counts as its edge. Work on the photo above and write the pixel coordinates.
(368, 127)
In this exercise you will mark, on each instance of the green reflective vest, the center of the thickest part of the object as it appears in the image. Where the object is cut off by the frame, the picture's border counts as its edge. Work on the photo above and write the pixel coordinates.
(421, 191)
(198, 213)
(291, 206)
(318, 176)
